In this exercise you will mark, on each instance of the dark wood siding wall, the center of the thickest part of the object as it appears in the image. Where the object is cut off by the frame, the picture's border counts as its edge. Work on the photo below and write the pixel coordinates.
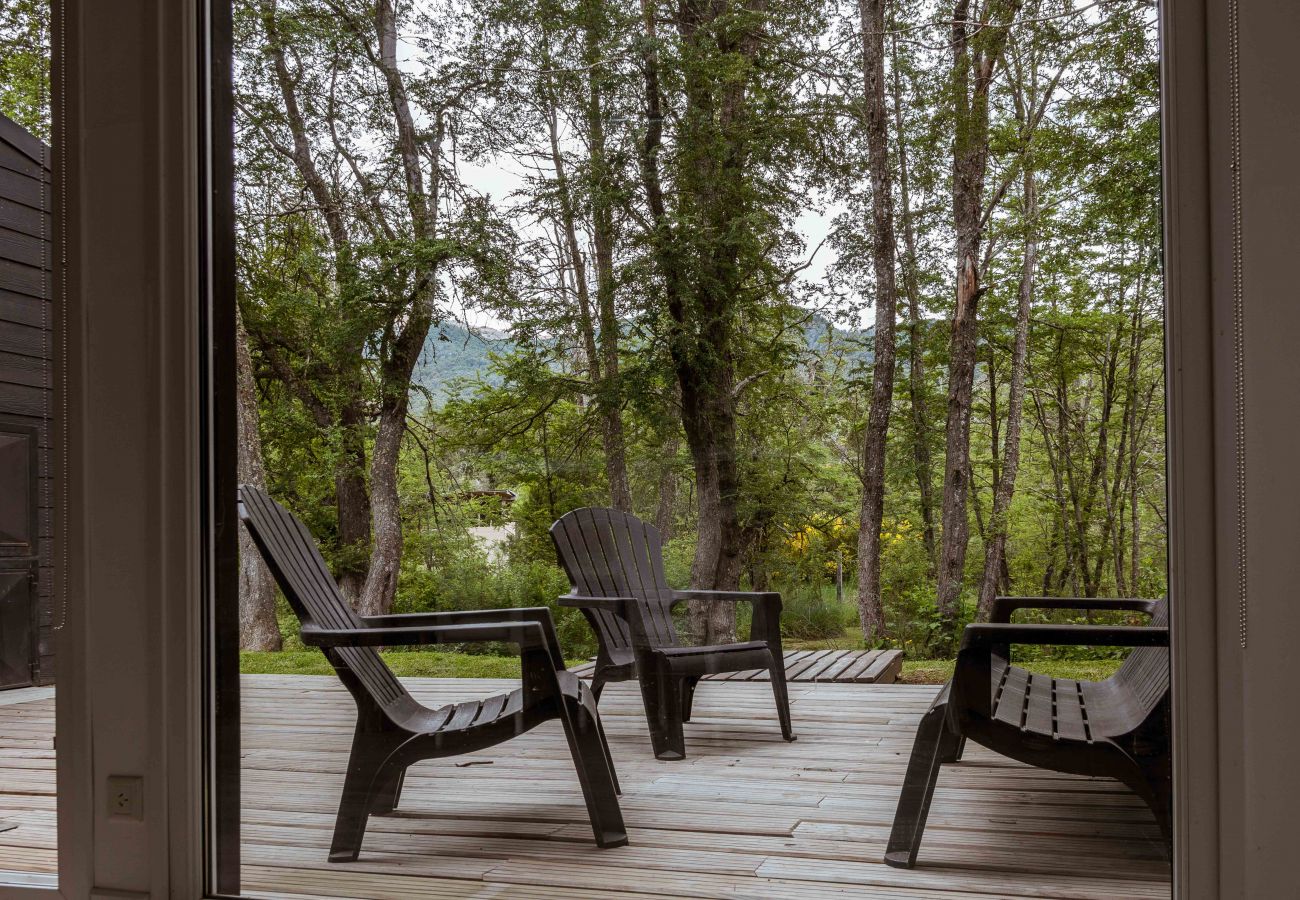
(26, 338)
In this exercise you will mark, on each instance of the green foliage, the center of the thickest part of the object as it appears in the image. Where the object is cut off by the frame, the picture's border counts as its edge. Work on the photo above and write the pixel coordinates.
(761, 127)
(811, 615)
(938, 671)
(25, 64)
(414, 664)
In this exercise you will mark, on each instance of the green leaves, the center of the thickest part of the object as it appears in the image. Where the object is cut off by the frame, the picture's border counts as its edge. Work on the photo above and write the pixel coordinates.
(25, 64)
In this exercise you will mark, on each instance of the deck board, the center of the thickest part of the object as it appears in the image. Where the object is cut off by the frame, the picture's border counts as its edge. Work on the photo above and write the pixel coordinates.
(745, 815)
(857, 666)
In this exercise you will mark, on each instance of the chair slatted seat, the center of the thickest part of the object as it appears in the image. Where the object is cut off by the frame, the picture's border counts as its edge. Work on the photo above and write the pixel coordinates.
(393, 729)
(615, 566)
(1117, 728)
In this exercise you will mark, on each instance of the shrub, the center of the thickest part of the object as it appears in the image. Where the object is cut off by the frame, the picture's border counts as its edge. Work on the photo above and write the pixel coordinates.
(810, 615)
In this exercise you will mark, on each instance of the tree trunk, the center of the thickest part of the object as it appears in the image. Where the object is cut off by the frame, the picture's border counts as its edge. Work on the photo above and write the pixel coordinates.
(977, 51)
(352, 503)
(995, 545)
(711, 159)
(871, 613)
(667, 490)
(708, 418)
(258, 628)
(385, 514)
(1134, 518)
(609, 395)
(351, 495)
(916, 386)
(402, 346)
(601, 353)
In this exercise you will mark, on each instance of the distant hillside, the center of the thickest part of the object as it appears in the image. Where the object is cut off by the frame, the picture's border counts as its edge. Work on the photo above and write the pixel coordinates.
(454, 356)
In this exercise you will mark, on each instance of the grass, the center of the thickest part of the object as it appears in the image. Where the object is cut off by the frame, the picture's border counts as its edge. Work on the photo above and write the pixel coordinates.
(851, 639)
(404, 663)
(937, 671)
(450, 664)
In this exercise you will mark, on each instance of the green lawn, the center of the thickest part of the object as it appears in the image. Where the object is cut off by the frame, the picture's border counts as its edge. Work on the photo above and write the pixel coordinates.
(937, 671)
(449, 664)
(405, 664)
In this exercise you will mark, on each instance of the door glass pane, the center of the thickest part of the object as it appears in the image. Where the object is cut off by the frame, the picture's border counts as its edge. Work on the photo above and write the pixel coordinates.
(854, 305)
(29, 596)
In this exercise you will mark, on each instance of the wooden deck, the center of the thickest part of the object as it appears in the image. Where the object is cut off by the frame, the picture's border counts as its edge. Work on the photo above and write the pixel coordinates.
(744, 816)
(832, 666)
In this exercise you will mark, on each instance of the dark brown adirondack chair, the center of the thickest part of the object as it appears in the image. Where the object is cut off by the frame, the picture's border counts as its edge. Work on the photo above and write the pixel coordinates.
(615, 563)
(393, 730)
(1117, 728)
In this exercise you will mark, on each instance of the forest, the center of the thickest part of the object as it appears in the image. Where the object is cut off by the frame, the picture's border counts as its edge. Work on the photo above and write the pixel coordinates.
(858, 300)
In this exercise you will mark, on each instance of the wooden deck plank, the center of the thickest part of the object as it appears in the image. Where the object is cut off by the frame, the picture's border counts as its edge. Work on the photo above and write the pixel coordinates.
(745, 815)
(857, 666)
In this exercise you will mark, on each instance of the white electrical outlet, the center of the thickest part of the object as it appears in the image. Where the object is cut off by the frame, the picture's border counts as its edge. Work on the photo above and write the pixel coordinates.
(126, 797)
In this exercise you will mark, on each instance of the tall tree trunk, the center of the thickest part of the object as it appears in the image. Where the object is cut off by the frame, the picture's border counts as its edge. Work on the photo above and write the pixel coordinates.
(402, 344)
(667, 489)
(871, 612)
(700, 309)
(709, 420)
(977, 50)
(601, 351)
(352, 503)
(258, 628)
(995, 546)
(351, 494)
(1134, 445)
(609, 394)
(916, 385)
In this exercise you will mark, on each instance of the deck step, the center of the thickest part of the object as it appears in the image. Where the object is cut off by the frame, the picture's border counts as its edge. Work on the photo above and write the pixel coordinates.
(823, 666)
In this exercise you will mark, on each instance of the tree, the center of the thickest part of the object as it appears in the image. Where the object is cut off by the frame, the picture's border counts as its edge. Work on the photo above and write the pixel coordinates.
(25, 64)
(574, 87)
(870, 606)
(979, 38)
(329, 98)
(258, 628)
(663, 345)
(714, 236)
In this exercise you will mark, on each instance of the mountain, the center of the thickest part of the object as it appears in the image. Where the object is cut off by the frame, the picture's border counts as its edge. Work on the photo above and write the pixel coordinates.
(455, 356)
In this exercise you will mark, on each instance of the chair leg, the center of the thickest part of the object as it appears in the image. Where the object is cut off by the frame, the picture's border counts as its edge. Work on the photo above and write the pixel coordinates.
(598, 685)
(688, 695)
(595, 773)
(959, 747)
(369, 750)
(389, 795)
(609, 757)
(1155, 786)
(933, 742)
(777, 674)
(661, 694)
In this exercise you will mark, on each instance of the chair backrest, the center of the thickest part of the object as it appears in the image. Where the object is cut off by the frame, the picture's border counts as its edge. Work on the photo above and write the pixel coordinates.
(1145, 674)
(608, 553)
(291, 554)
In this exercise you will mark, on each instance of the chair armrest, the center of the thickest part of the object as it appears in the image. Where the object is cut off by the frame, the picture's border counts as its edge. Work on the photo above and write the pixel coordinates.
(536, 614)
(730, 596)
(457, 617)
(766, 624)
(615, 605)
(1003, 607)
(525, 634)
(988, 634)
